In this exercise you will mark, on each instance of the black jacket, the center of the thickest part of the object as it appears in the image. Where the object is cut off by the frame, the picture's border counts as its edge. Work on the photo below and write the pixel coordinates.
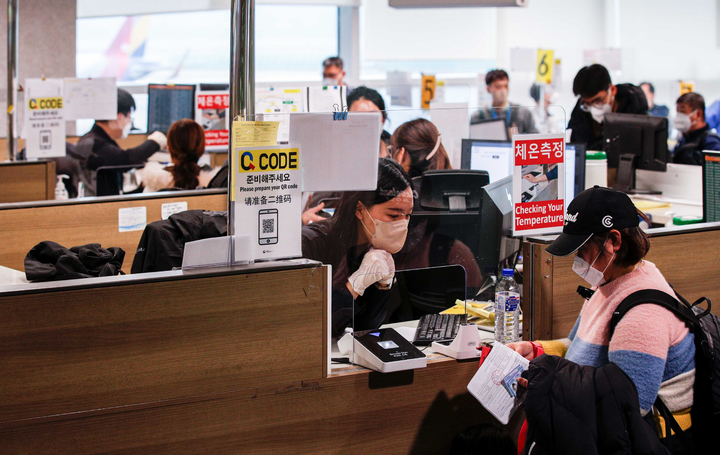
(162, 243)
(369, 310)
(97, 149)
(630, 99)
(573, 409)
(49, 261)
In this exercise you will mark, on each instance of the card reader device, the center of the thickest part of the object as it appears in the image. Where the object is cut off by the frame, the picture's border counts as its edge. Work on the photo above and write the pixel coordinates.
(383, 350)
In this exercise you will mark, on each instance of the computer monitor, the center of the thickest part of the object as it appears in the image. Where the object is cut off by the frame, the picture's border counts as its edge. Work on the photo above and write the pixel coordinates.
(635, 142)
(168, 104)
(454, 190)
(574, 170)
(473, 238)
(495, 157)
(711, 186)
(493, 129)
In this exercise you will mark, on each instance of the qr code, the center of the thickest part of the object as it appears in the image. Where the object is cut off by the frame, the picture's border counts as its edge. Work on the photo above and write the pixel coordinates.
(268, 226)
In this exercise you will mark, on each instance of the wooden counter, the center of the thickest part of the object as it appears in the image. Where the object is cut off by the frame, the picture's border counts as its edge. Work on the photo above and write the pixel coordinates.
(221, 362)
(22, 181)
(88, 220)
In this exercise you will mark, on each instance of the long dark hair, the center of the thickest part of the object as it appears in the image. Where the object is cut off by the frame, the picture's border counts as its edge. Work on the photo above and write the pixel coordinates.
(186, 144)
(418, 137)
(392, 181)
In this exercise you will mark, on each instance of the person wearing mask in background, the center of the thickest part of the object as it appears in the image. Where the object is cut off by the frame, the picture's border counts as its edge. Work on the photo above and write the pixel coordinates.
(518, 119)
(333, 73)
(367, 228)
(186, 144)
(696, 134)
(597, 97)
(656, 110)
(546, 122)
(360, 99)
(98, 148)
(417, 146)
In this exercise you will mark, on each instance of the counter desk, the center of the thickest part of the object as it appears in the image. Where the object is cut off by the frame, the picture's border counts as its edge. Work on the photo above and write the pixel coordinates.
(229, 360)
(686, 255)
(77, 222)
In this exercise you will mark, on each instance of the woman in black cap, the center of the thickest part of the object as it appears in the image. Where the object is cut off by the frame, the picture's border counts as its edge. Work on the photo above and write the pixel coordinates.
(650, 344)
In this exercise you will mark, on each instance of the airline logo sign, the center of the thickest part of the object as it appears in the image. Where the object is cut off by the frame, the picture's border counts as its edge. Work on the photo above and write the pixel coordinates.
(45, 103)
(268, 160)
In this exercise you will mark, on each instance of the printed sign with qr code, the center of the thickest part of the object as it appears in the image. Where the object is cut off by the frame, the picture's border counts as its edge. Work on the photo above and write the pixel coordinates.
(267, 234)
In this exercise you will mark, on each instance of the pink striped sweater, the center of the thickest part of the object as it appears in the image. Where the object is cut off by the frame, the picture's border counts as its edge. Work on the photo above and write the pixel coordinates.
(650, 344)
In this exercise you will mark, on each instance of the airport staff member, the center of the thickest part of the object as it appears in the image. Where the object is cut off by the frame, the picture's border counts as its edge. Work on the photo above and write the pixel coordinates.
(656, 110)
(98, 147)
(333, 72)
(598, 96)
(518, 119)
(368, 227)
(696, 133)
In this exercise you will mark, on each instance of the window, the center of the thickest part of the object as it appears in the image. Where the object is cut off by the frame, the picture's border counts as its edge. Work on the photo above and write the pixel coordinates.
(192, 47)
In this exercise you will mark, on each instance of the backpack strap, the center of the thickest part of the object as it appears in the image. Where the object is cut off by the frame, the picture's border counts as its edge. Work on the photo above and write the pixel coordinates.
(656, 297)
(680, 308)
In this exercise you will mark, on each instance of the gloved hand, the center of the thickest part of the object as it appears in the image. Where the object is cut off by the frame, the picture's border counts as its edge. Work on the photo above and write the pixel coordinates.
(377, 266)
(160, 138)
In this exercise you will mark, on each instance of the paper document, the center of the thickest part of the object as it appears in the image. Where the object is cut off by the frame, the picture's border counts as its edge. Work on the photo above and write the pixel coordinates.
(254, 134)
(327, 99)
(494, 385)
(338, 155)
(93, 98)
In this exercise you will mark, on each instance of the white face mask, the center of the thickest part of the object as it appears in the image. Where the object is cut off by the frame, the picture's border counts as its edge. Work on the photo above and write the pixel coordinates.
(598, 113)
(587, 272)
(500, 96)
(330, 82)
(389, 235)
(682, 122)
(126, 129)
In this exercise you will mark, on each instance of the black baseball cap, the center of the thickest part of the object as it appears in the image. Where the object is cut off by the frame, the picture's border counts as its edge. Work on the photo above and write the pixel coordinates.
(594, 211)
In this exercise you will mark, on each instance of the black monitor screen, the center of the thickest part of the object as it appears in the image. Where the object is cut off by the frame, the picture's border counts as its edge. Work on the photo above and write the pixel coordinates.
(643, 136)
(168, 104)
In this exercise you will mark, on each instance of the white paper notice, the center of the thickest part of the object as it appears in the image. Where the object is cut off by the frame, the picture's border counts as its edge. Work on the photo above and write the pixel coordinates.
(338, 155)
(399, 88)
(487, 384)
(132, 219)
(94, 98)
(453, 122)
(172, 208)
(327, 99)
(44, 118)
(276, 105)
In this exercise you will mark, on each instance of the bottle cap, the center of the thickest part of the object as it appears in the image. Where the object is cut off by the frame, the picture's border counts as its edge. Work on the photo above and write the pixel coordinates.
(595, 155)
(508, 272)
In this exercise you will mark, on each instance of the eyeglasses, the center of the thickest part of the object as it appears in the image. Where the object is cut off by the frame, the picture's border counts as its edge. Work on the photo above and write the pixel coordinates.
(598, 103)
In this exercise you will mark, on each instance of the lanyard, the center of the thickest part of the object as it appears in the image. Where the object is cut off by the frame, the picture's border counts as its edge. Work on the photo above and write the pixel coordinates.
(494, 114)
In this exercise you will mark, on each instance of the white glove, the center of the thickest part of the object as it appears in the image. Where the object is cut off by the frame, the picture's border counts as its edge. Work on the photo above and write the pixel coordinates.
(377, 266)
(160, 138)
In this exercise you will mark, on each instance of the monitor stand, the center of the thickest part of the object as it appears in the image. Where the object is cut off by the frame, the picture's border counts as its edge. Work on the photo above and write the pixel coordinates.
(625, 181)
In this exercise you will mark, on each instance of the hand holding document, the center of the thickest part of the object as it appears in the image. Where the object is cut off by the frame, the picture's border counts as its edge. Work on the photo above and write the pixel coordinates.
(495, 383)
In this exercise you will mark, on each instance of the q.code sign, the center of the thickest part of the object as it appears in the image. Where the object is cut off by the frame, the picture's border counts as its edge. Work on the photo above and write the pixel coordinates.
(544, 67)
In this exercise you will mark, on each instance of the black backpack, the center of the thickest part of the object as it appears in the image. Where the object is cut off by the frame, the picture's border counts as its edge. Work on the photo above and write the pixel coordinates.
(705, 413)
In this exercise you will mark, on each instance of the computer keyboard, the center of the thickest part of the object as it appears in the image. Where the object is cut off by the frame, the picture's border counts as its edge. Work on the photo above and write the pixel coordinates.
(434, 327)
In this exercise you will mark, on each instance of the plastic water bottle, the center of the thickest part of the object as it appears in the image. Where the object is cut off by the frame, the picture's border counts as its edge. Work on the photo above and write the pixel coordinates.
(507, 309)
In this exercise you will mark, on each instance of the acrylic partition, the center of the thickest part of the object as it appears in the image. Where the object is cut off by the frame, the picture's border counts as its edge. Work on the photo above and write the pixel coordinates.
(386, 298)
